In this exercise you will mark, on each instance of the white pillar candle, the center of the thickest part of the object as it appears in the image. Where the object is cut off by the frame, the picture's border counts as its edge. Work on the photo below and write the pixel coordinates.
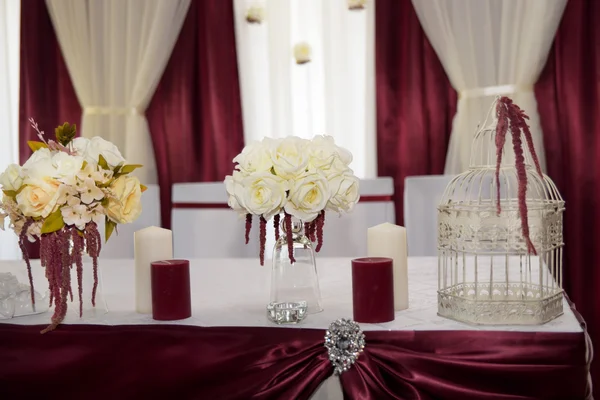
(150, 244)
(389, 240)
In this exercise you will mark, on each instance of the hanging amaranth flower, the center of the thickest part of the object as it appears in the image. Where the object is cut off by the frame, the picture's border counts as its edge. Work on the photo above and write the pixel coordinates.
(510, 116)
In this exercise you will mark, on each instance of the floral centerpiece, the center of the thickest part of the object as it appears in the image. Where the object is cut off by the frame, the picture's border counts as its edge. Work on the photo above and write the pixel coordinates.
(59, 196)
(295, 177)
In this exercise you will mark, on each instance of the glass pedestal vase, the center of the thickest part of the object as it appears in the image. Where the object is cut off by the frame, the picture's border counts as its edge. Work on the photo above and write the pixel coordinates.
(295, 288)
(88, 309)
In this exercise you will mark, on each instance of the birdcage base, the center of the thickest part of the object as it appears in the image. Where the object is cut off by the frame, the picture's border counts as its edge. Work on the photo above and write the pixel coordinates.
(502, 304)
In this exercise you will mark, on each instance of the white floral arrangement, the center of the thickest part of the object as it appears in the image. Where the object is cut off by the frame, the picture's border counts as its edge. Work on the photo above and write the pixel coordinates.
(59, 196)
(295, 177)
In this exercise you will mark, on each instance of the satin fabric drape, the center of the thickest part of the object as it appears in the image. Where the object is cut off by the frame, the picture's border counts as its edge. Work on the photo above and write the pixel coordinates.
(195, 117)
(568, 96)
(46, 93)
(415, 101)
(182, 362)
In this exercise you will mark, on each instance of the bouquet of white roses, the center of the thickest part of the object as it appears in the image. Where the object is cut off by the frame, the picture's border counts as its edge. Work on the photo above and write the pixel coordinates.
(59, 196)
(297, 177)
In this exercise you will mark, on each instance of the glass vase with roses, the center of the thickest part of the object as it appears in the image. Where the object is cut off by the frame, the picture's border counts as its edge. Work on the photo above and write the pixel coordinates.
(294, 182)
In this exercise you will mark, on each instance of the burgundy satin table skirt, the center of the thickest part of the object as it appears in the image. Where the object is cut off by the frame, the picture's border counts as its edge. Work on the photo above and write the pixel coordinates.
(184, 362)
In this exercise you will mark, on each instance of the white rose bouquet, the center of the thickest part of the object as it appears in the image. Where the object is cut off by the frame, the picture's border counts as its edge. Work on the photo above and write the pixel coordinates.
(295, 177)
(58, 196)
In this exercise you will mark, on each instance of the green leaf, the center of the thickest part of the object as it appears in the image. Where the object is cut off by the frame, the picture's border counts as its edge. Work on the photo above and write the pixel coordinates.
(53, 222)
(109, 227)
(65, 133)
(143, 188)
(117, 168)
(127, 169)
(102, 162)
(10, 193)
(35, 145)
(84, 165)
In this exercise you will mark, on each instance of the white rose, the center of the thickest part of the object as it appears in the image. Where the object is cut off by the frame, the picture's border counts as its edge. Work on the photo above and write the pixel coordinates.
(323, 148)
(125, 205)
(11, 179)
(344, 191)
(67, 165)
(255, 157)
(231, 185)
(262, 193)
(98, 146)
(39, 197)
(308, 196)
(80, 145)
(290, 156)
(39, 165)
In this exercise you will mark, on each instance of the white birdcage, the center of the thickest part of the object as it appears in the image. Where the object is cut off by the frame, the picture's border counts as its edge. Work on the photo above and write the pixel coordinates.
(487, 274)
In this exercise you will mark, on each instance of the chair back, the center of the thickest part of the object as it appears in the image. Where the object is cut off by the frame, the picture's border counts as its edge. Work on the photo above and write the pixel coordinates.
(205, 227)
(422, 195)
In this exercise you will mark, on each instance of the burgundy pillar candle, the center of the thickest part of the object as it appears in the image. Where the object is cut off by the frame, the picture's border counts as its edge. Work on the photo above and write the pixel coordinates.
(171, 298)
(373, 289)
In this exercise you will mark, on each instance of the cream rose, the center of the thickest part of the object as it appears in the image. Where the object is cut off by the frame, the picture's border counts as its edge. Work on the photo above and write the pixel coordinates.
(11, 178)
(290, 156)
(309, 195)
(39, 197)
(255, 157)
(125, 206)
(344, 191)
(262, 194)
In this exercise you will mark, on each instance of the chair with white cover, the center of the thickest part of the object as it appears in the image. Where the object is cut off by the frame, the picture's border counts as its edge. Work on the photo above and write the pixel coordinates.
(346, 235)
(120, 244)
(422, 195)
(205, 227)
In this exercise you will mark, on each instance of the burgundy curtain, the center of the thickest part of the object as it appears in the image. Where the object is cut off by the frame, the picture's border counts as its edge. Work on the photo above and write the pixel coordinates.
(46, 92)
(569, 103)
(415, 101)
(195, 116)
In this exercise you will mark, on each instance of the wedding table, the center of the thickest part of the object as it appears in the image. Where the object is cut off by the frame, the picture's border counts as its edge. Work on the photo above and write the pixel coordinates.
(229, 350)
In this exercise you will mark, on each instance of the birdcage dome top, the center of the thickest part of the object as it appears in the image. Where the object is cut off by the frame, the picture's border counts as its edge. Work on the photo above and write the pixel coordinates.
(478, 185)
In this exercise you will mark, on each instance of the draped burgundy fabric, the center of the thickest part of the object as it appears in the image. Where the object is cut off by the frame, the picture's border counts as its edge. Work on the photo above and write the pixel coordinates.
(568, 96)
(46, 93)
(195, 117)
(415, 101)
(181, 362)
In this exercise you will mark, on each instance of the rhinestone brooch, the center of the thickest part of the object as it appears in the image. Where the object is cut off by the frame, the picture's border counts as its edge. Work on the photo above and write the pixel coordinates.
(344, 341)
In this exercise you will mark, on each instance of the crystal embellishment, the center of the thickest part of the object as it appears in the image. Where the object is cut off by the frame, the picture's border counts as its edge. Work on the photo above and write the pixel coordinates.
(344, 341)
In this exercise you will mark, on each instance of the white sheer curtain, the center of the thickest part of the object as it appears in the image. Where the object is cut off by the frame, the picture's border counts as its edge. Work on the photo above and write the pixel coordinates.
(490, 48)
(334, 94)
(116, 52)
(10, 17)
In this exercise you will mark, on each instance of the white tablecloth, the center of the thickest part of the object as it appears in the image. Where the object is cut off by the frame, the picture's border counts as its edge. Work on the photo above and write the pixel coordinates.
(234, 292)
